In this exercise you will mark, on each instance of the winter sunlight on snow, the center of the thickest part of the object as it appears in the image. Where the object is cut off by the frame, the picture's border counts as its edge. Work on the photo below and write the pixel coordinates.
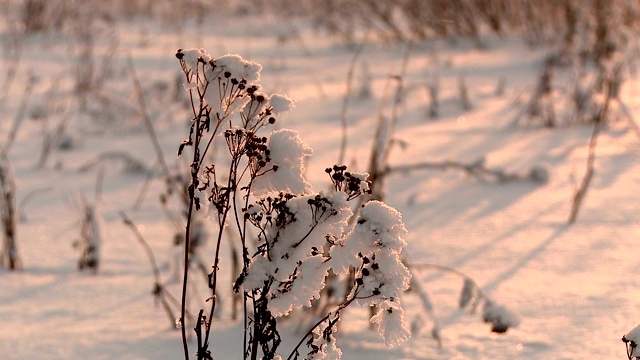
(357, 179)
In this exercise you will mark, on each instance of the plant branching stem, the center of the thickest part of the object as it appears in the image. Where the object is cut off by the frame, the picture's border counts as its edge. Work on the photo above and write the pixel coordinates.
(346, 303)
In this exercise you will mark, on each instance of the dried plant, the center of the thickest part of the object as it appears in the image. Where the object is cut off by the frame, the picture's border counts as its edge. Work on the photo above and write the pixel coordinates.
(9, 255)
(290, 237)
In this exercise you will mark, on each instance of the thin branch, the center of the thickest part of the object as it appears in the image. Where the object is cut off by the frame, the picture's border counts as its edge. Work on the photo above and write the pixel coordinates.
(599, 121)
(20, 115)
(345, 103)
(131, 164)
(27, 198)
(158, 289)
(426, 266)
(396, 102)
(475, 169)
(382, 142)
(147, 120)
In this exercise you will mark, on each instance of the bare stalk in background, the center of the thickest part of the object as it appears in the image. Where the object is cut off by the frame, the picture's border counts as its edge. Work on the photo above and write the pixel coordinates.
(609, 82)
(9, 255)
(345, 103)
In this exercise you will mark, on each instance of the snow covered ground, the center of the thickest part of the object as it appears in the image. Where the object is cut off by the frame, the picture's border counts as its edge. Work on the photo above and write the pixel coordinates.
(574, 287)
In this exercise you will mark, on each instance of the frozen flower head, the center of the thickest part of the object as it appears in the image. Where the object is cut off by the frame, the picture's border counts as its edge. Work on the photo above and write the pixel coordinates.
(192, 56)
(235, 67)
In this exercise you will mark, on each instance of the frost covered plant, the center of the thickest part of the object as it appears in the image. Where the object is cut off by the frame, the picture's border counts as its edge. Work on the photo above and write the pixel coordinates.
(90, 239)
(631, 341)
(291, 236)
(500, 318)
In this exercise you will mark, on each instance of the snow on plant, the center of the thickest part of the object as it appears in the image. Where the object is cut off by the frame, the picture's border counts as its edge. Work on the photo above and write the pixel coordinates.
(291, 236)
(631, 341)
(500, 318)
(90, 238)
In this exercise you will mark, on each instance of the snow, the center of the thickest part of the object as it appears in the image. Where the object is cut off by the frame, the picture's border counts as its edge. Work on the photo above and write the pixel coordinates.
(634, 338)
(569, 285)
(288, 152)
(281, 103)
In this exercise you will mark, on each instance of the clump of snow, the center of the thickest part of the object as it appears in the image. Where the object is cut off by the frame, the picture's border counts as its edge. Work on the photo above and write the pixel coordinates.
(379, 227)
(191, 57)
(259, 271)
(500, 318)
(391, 323)
(281, 103)
(633, 337)
(374, 246)
(238, 67)
(309, 280)
(288, 152)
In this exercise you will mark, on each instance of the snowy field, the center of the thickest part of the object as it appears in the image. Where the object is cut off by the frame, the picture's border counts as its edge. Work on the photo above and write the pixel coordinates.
(574, 287)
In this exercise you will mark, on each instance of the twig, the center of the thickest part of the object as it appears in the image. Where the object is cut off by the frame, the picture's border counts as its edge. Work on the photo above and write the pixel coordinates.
(147, 120)
(383, 142)
(426, 305)
(143, 191)
(396, 102)
(158, 289)
(97, 198)
(447, 269)
(475, 293)
(131, 164)
(581, 192)
(27, 198)
(632, 122)
(20, 115)
(476, 169)
(345, 103)
(12, 47)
